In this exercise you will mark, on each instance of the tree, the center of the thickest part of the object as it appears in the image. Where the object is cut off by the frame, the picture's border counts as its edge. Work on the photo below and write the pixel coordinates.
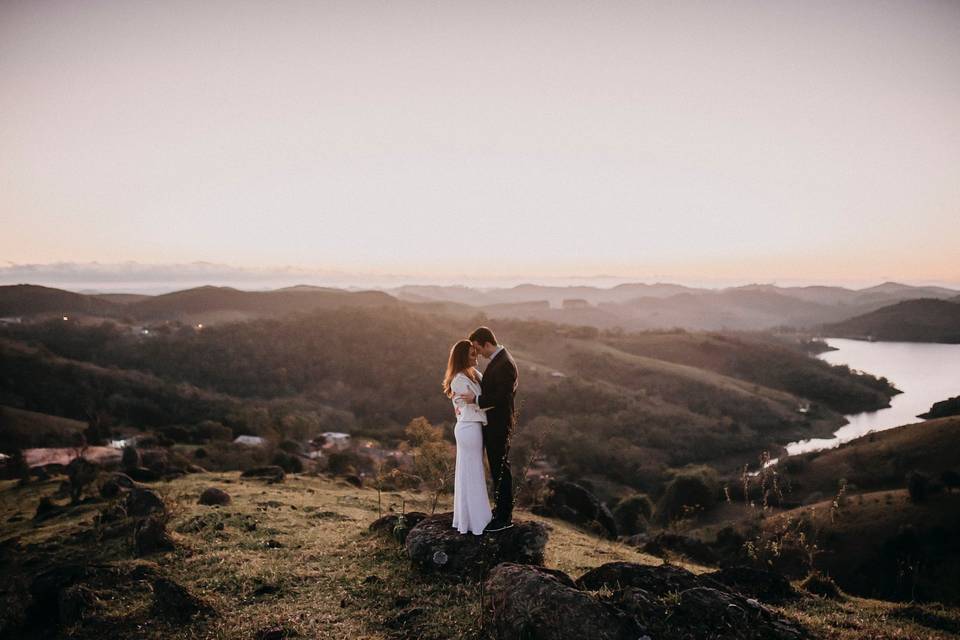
(433, 457)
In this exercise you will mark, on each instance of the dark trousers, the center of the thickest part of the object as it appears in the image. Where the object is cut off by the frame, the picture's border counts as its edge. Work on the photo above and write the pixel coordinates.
(498, 451)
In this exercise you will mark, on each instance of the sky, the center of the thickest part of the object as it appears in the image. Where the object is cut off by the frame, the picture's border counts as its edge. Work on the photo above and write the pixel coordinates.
(766, 140)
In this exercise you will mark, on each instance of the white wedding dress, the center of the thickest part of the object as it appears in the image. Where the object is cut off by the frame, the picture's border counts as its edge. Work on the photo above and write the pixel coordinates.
(471, 506)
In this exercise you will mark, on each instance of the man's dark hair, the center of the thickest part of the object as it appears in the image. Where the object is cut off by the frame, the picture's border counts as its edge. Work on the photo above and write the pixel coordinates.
(483, 336)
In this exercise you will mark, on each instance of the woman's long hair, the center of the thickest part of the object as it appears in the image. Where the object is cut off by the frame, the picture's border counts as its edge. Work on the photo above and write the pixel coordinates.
(459, 362)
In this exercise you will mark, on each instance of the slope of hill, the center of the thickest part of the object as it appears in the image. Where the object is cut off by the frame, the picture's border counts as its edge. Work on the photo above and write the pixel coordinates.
(22, 429)
(878, 460)
(192, 302)
(377, 371)
(296, 560)
(925, 320)
(28, 299)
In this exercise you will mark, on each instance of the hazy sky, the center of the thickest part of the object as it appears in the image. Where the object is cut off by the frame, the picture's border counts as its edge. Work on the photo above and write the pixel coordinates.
(807, 140)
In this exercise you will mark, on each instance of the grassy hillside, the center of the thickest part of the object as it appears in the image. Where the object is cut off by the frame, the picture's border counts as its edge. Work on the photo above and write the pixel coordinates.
(297, 556)
(28, 299)
(883, 544)
(371, 372)
(878, 460)
(22, 429)
(925, 320)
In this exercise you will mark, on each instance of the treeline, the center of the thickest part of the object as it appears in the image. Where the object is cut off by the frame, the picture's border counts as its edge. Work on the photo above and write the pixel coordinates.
(370, 371)
(758, 359)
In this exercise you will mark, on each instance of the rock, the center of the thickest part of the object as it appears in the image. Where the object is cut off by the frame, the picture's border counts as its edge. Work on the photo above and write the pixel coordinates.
(214, 496)
(142, 474)
(571, 502)
(533, 602)
(765, 586)
(75, 603)
(662, 578)
(705, 612)
(674, 603)
(116, 484)
(45, 588)
(130, 459)
(195, 468)
(271, 473)
(142, 502)
(434, 545)
(822, 585)
(47, 509)
(665, 543)
(401, 619)
(397, 526)
(150, 536)
(80, 472)
(276, 632)
(354, 480)
(175, 602)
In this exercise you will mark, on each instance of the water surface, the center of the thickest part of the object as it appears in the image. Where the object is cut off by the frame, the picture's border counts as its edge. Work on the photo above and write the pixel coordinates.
(925, 372)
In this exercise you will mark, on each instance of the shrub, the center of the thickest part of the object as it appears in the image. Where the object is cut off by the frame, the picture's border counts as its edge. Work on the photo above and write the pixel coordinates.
(287, 462)
(213, 430)
(131, 458)
(633, 513)
(691, 489)
(918, 484)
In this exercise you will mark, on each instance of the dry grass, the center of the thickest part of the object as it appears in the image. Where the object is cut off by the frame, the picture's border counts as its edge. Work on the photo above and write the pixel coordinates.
(298, 555)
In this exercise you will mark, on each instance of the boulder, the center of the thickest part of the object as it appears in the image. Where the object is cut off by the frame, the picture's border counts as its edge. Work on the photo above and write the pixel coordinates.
(175, 602)
(705, 612)
(75, 603)
(150, 536)
(766, 586)
(674, 603)
(663, 544)
(214, 496)
(533, 602)
(116, 484)
(434, 545)
(142, 502)
(397, 525)
(142, 474)
(572, 502)
(45, 588)
(270, 473)
(662, 578)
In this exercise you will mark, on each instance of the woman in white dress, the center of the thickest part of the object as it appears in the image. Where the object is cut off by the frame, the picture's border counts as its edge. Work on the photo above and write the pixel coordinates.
(471, 506)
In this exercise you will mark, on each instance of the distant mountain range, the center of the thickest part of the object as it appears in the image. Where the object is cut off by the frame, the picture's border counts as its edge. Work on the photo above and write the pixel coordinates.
(629, 306)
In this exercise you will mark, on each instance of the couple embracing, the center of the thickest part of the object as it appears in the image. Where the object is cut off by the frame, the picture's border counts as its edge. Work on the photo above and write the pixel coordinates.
(485, 418)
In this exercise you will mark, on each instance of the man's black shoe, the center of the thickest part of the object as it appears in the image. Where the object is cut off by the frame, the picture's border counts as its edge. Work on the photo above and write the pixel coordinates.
(497, 525)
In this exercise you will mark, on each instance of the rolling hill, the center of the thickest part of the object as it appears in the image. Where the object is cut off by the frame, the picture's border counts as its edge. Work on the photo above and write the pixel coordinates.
(924, 320)
(28, 299)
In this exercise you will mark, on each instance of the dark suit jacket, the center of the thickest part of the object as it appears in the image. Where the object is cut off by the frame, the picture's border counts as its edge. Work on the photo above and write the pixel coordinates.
(497, 389)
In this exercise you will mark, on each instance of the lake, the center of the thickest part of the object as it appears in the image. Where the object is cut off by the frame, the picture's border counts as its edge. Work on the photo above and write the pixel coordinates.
(925, 373)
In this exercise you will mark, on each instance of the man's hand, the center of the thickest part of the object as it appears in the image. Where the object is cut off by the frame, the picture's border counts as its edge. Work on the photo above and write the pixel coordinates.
(468, 396)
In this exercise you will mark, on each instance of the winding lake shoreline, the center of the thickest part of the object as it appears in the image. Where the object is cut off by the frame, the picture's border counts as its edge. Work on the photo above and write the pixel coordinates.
(925, 373)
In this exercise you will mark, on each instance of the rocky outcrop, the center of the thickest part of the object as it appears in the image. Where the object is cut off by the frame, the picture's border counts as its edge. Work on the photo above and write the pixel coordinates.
(533, 602)
(116, 484)
(142, 502)
(765, 586)
(633, 601)
(571, 502)
(150, 536)
(434, 545)
(175, 602)
(396, 525)
(212, 496)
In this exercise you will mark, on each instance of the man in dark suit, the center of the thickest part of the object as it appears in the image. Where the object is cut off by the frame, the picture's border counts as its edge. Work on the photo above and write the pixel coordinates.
(497, 391)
